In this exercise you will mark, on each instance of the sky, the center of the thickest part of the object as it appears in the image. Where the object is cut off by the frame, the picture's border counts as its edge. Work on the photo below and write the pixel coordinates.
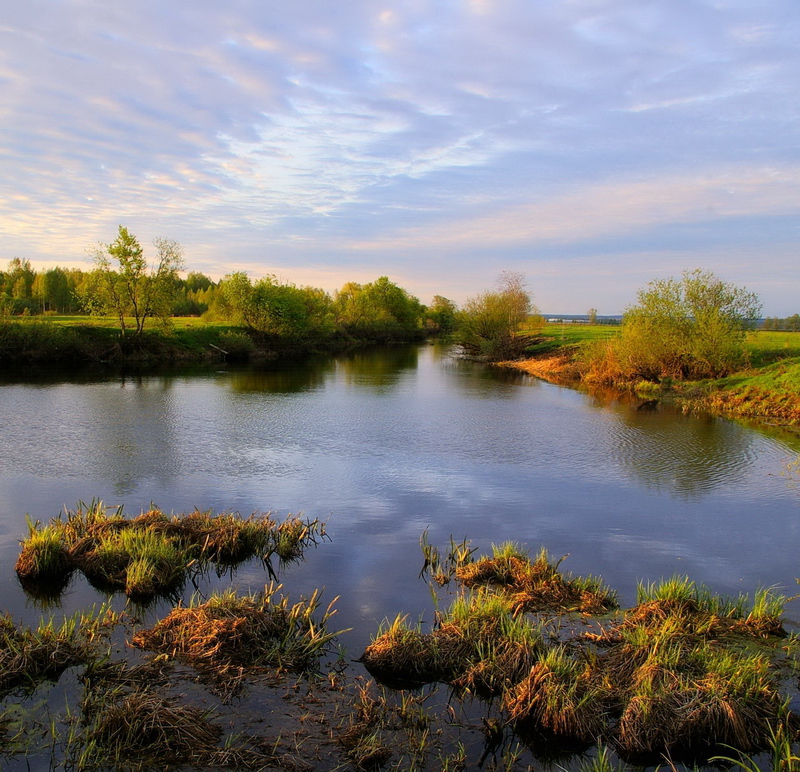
(592, 145)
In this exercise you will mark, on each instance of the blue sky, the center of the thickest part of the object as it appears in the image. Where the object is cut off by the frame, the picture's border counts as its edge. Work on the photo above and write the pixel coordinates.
(592, 145)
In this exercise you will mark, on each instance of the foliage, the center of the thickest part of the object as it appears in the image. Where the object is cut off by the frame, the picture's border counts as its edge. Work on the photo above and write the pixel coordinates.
(124, 285)
(440, 316)
(379, 310)
(489, 324)
(680, 329)
(276, 309)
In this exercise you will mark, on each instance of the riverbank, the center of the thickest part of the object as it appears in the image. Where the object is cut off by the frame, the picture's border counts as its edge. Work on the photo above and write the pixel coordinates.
(77, 343)
(767, 390)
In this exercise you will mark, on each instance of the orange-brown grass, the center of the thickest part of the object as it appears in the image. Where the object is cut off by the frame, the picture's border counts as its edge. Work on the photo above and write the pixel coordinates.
(681, 682)
(560, 696)
(479, 646)
(712, 699)
(536, 585)
(404, 656)
(230, 632)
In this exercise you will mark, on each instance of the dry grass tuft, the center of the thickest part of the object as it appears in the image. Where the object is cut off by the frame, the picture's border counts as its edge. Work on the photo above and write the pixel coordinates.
(536, 585)
(141, 729)
(561, 696)
(230, 633)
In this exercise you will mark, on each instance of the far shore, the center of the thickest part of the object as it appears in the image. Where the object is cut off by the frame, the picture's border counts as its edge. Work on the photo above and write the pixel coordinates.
(767, 390)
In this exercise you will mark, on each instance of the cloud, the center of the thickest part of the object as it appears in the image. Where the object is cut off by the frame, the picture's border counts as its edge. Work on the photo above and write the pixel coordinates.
(341, 137)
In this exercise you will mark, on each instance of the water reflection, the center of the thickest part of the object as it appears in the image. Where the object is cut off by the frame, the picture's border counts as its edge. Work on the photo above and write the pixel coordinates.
(665, 448)
(386, 442)
(283, 377)
(377, 368)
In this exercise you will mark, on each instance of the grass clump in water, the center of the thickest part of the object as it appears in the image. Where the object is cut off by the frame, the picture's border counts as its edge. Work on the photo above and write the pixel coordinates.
(679, 601)
(142, 730)
(536, 585)
(478, 645)
(31, 655)
(153, 554)
(561, 697)
(701, 700)
(44, 564)
(229, 632)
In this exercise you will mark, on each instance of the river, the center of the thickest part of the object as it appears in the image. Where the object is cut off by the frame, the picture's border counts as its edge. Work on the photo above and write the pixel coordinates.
(386, 443)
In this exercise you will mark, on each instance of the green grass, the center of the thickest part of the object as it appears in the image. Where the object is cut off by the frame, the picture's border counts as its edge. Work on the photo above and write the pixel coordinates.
(154, 554)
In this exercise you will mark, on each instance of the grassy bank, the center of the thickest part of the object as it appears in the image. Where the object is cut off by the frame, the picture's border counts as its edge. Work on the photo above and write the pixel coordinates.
(767, 388)
(79, 340)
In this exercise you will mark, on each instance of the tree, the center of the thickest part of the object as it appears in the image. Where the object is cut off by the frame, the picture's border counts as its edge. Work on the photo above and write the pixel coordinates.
(490, 324)
(688, 328)
(440, 316)
(591, 316)
(379, 310)
(123, 284)
(281, 310)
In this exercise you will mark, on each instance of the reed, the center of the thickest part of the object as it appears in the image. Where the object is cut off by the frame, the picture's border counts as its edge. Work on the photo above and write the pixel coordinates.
(536, 585)
(229, 631)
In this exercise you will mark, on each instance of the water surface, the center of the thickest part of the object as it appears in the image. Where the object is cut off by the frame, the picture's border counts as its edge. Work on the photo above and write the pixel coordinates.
(386, 443)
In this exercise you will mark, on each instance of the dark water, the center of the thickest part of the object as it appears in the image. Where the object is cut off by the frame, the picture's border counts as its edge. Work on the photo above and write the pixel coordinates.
(387, 443)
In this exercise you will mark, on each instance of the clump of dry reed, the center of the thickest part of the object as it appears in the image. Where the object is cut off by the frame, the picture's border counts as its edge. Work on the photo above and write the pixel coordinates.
(230, 632)
(142, 730)
(560, 696)
(479, 645)
(684, 683)
(536, 585)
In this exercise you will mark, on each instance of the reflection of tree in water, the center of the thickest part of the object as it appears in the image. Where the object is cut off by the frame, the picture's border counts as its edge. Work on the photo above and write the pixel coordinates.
(283, 376)
(378, 367)
(136, 429)
(487, 381)
(664, 448)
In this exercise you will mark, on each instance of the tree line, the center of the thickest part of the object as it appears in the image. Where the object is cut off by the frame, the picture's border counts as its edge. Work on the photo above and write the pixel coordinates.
(789, 323)
(688, 328)
(138, 290)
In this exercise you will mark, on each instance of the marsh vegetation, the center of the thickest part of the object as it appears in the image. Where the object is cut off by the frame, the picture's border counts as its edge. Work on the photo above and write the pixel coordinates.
(522, 661)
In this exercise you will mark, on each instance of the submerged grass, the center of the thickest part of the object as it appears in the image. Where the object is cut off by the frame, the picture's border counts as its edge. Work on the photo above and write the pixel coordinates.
(153, 554)
(31, 655)
(142, 730)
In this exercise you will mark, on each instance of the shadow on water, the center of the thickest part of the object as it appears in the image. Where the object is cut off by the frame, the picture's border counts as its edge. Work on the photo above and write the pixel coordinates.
(378, 367)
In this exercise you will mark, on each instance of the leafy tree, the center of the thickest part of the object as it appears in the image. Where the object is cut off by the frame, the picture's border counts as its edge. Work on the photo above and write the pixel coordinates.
(379, 310)
(280, 310)
(688, 328)
(124, 285)
(591, 316)
(440, 316)
(489, 325)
